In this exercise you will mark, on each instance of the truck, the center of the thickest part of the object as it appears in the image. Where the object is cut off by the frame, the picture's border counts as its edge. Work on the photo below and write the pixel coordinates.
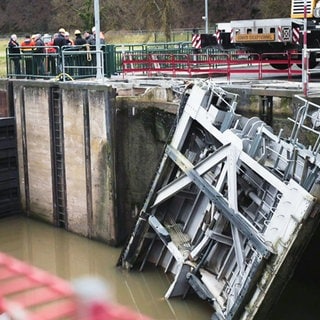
(279, 36)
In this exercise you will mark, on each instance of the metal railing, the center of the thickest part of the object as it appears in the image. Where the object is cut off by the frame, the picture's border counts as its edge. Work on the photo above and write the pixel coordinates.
(311, 55)
(211, 64)
(81, 63)
(78, 62)
(31, 63)
(48, 62)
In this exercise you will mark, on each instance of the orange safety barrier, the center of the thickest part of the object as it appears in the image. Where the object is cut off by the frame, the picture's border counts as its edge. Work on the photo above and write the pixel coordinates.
(28, 293)
(212, 64)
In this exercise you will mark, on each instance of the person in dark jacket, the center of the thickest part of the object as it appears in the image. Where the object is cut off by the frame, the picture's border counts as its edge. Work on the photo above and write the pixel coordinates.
(89, 38)
(14, 53)
(60, 41)
(69, 41)
(79, 41)
(39, 50)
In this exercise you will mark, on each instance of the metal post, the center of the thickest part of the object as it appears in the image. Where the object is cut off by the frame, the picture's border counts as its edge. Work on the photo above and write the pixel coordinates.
(206, 16)
(99, 75)
(305, 57)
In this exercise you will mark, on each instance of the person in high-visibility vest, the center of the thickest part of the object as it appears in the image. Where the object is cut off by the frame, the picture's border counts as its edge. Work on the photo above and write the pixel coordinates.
(26, 49)
(52, 53)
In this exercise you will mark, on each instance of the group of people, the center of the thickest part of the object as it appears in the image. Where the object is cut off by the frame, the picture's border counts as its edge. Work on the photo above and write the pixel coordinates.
(29, 45)
(33, 49)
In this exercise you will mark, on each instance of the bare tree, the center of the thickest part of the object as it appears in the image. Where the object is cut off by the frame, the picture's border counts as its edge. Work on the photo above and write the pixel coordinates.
(275, 8)
(86, 14)
(158, 15)
(22, 16)
(63, 15)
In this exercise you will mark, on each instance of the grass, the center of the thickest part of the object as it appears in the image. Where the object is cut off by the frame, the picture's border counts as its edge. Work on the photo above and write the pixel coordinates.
(119, 37)
(3, 67)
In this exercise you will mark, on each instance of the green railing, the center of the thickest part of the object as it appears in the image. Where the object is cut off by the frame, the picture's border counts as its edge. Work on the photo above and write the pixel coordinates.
(80, 62)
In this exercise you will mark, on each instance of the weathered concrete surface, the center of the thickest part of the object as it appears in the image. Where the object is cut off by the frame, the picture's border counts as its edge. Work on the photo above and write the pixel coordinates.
(4, 103)
(88, 167)
(34, 153)
(113, 134)
(111, 148)
(75, 161)
(142, 130)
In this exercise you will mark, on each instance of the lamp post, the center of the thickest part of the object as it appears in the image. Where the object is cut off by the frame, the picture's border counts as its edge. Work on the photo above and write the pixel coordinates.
(99, 55)
(304, 52)
(205, 18)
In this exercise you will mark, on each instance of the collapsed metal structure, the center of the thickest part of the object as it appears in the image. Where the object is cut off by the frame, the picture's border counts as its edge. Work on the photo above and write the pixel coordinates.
(232, 205)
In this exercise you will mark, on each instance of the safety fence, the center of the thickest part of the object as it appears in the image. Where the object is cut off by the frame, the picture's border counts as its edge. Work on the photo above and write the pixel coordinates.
(80, 61)
(310, 72)
(173, 59)
(213, 64)
(50, 61)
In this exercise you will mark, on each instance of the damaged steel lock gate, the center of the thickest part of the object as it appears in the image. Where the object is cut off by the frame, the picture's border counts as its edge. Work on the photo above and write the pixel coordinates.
(230, 205)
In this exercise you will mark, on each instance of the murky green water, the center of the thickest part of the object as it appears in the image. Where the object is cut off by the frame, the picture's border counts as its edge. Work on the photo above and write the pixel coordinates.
(72, 257)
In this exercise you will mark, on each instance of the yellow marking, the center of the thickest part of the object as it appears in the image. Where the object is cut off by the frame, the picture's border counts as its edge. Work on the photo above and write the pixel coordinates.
(255, 37)
(300, 15)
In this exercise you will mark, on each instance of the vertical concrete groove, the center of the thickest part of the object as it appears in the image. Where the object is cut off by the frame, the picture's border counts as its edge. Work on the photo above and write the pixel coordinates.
(110, 138)
(266, 109)
(10, 100)
(87, 150)
(24, 150)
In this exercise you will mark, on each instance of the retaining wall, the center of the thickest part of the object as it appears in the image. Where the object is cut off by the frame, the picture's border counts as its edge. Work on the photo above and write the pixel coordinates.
(88, 168)
(109, 150)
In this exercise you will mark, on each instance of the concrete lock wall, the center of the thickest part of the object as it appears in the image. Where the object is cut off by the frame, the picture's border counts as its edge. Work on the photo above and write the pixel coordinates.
(6, 109)
(111, 147)
(111, 138)
(142, 129)
(34, 155)
(88, 168)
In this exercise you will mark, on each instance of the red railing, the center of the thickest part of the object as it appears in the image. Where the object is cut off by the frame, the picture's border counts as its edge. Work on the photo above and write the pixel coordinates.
(212, 64)
(28, 293)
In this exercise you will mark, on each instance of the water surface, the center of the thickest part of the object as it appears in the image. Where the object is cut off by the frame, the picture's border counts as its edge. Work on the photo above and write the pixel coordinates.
(72, 257)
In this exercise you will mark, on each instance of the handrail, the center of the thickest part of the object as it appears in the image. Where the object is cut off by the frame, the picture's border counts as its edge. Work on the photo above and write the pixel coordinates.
(169, 58)
(211, 64)
(47, 62)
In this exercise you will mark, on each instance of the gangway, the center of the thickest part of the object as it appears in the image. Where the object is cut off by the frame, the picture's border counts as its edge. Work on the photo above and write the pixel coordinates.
(28, 293)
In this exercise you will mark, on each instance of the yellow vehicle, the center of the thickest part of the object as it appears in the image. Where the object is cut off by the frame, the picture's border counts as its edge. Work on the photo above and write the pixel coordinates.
(312, 9)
